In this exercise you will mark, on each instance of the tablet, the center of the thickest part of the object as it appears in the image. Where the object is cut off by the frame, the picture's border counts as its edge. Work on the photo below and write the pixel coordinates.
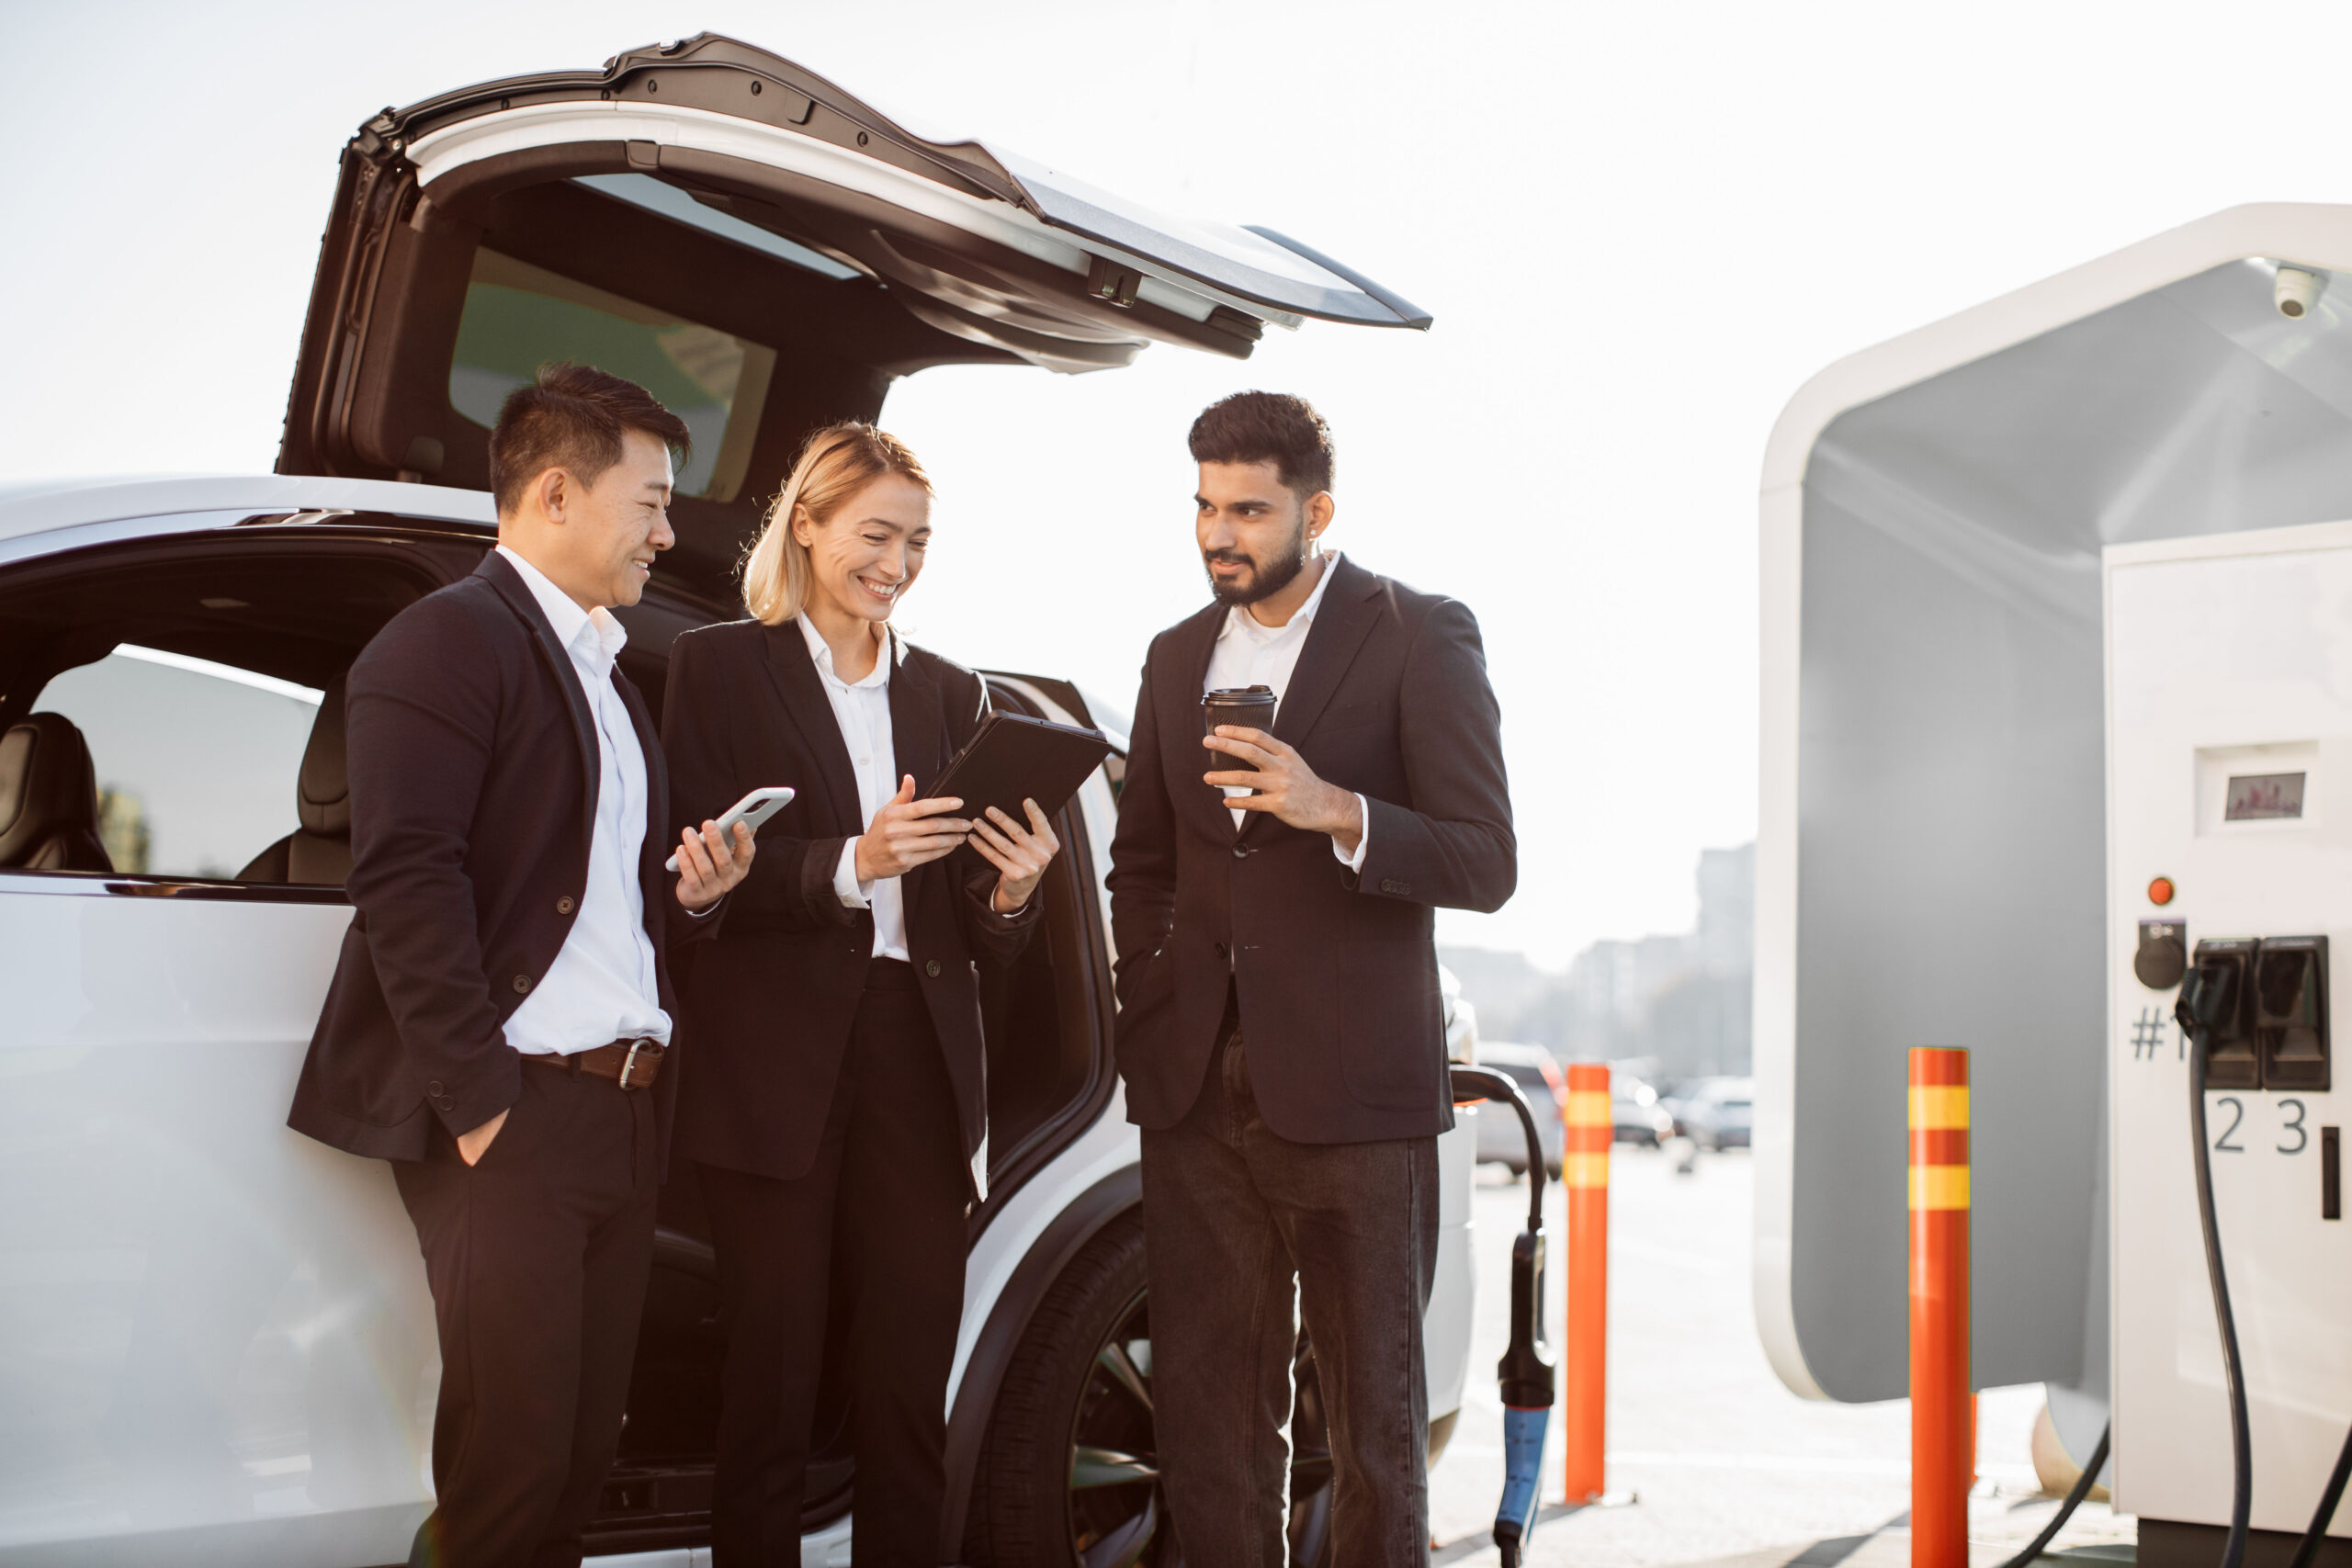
(1014, 757)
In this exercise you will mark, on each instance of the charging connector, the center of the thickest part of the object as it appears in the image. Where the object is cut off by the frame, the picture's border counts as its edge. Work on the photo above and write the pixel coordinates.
(2213, 1008)
(1527, 1369)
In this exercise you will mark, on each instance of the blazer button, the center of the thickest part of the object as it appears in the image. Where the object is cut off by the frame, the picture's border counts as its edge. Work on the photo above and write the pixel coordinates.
(1241, 851)
(1221, 950)
(563, 906)
(435, 1090)
(930, 967)
(522, 983)
(444, 1103)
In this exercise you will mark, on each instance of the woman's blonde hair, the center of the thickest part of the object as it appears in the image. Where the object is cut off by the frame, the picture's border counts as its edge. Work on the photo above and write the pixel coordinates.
(835, 464)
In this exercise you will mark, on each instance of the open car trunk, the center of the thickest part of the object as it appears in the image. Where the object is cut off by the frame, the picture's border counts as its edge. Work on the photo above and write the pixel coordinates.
(761, 250)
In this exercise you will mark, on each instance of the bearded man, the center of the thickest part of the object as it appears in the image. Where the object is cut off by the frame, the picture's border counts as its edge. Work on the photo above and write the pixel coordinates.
(1272, 895)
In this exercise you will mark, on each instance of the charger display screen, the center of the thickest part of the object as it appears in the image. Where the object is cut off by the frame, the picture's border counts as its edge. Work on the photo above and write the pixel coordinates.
(2263, 797)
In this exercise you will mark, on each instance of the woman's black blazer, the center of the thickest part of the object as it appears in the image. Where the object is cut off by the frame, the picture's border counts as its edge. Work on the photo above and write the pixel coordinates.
(769, 999)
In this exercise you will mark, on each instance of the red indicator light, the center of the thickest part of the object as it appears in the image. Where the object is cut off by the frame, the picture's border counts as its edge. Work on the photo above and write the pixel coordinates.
(2159, 891)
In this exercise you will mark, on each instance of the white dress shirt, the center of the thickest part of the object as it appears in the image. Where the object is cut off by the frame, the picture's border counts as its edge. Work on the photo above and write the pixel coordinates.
(863, 711)
(1251, 653)
(602, 986)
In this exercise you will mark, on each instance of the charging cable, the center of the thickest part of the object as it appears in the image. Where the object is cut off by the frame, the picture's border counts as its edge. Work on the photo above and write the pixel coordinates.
(2208, 996)
(2327, 1512)
(2075, 1496)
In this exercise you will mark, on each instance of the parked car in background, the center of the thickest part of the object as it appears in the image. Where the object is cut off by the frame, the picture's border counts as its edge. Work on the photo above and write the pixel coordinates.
(220, 1346)
(1501, 1140)
(1717, 1113)
(1634, 1108)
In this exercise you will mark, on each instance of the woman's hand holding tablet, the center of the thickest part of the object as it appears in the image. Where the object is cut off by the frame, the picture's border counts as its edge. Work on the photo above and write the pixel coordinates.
(908, 833)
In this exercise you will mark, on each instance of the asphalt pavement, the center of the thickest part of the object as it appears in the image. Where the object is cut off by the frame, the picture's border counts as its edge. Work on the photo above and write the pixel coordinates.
(1711, 1460)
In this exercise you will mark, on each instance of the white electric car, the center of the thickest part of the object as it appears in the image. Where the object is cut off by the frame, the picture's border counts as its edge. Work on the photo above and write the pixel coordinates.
(216, 1345)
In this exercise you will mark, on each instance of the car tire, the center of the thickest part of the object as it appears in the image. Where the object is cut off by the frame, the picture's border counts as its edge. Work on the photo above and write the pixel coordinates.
(1068, 1476)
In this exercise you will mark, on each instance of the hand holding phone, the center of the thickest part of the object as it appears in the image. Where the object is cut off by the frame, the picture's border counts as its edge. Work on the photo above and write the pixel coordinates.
(752, 811)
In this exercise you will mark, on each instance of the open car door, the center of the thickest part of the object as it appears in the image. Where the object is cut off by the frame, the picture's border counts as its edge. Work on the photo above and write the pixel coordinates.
(760, 249)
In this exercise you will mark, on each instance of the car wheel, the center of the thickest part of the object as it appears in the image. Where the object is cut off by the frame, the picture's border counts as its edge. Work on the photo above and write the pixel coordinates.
(1070, 1476)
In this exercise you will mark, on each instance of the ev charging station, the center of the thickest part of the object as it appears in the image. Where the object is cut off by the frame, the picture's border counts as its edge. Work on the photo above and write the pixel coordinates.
(2230, 713)
(2057, 740)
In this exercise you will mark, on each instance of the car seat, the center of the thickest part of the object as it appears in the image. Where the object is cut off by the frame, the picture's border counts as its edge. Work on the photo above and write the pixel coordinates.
(48, 798)
(320, 850)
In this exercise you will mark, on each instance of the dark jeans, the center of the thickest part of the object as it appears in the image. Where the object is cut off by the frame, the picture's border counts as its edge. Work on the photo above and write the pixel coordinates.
(1237, 1222)
(883, 1210)
(538, 1258)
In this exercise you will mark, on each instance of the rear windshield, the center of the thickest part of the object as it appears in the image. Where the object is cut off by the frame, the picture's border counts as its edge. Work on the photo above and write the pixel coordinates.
(518, 317)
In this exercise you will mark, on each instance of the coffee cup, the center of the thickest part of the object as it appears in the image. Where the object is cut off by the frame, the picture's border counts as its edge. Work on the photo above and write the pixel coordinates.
(1250, 706)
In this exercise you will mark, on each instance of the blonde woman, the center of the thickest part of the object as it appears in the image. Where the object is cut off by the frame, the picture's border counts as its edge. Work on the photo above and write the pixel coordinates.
(833, 1098)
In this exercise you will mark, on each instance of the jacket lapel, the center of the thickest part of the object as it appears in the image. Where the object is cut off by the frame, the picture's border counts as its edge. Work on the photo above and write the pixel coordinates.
(1177, 696)
(511, 587)
(809, 711)
(1342, 624)
(919, 746)
(656, 848)
(1345, 618)
(917, 722)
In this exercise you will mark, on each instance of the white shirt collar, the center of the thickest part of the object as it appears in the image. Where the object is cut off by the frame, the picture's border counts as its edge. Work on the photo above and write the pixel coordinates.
(821, 653)
(1240, 619)
(596, 636)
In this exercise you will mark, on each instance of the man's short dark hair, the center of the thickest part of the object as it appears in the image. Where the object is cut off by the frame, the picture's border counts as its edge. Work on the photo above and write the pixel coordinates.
(1266, 427)
(572, 417)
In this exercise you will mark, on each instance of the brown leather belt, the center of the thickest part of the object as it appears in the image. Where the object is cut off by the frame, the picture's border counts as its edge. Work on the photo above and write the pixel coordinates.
(631, 1063)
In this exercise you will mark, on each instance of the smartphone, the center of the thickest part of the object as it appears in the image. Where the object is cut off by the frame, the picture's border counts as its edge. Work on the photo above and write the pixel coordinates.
(751, 811)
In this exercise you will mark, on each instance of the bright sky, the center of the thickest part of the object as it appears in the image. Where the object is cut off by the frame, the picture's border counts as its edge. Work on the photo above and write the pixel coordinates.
(1640, 228)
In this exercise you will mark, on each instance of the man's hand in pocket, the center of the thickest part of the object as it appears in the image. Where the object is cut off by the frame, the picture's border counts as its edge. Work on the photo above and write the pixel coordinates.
(472, 1145)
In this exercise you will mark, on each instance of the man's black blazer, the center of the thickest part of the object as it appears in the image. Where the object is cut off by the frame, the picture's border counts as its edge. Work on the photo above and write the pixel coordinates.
(473, 766)
(771, 996)
(1336, 972)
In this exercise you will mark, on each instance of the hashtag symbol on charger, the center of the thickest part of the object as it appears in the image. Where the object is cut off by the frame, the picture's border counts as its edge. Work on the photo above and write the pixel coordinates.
(2147, 1034)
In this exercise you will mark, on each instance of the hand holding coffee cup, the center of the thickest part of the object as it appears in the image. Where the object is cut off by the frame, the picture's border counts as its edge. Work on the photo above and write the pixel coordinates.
(1277, 780)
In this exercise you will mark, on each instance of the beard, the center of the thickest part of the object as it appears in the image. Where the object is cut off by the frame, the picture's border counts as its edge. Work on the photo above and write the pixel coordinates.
(1264, 581)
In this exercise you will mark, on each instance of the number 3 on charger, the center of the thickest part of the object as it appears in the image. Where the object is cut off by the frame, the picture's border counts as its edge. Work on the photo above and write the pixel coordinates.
(2302, 1137)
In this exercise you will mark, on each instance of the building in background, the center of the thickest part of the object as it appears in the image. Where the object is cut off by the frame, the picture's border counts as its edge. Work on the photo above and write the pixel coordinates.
(1681, 1001)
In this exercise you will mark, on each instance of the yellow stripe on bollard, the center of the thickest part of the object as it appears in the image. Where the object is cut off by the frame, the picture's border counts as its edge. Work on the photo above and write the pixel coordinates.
(1590, 1108)
(1939, 1187)
(1938, 1107)
(1584, 1169)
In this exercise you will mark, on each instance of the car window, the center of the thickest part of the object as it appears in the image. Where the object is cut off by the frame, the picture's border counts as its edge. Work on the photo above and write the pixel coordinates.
(197, 763)
(518, 317)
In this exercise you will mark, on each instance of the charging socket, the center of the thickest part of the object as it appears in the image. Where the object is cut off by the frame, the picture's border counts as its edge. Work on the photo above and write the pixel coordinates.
(2217, 997)
(2290, 1012)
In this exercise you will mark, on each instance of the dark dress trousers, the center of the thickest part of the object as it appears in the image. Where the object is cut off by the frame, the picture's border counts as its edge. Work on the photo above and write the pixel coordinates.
(473, 773)
(836, 1102)
(1280, 1038)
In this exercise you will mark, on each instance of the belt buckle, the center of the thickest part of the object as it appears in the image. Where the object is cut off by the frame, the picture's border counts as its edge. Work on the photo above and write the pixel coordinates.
(629, 1062)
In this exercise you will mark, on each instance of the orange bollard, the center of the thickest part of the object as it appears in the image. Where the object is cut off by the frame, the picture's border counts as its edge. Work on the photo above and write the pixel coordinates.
(1584, 1358)
(1943, 1457)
